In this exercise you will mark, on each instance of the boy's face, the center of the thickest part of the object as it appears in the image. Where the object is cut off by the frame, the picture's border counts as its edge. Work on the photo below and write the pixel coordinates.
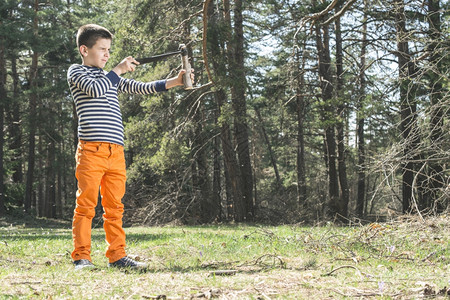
(97, 55)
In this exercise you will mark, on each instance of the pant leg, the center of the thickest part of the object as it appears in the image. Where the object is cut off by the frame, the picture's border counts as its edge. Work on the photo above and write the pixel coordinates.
(90, 167)
(112, 191)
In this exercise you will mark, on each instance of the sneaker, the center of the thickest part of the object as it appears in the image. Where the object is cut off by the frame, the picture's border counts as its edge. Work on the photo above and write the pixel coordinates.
(126, 262)
(83, 263)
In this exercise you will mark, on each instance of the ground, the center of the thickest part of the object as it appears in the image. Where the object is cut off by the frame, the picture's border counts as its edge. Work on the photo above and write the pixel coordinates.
(406, 258)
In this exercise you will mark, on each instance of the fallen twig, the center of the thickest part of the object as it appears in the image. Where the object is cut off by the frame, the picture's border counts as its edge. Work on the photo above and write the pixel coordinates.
(428, 256)
(25, 282)
(259, 261)
(222, 272)
(341, 267)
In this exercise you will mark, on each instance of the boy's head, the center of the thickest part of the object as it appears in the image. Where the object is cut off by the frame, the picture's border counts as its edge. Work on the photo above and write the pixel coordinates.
(94, 44)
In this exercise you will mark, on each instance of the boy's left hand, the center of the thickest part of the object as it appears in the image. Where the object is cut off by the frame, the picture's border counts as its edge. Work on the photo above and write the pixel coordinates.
(181, 73)
(178, 80)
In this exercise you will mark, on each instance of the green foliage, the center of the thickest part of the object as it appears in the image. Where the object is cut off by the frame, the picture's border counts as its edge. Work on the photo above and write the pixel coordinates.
(14, 194)
(170, 154)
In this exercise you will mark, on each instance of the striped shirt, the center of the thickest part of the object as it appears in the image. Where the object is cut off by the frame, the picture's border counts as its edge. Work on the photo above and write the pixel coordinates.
(95, 92)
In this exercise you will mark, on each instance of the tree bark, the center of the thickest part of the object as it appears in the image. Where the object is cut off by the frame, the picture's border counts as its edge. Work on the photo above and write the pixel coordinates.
(342, 165)
(232, 171)
(208, 209)
(436, 178)
(238, 86)
(231, 164)
(328, 113)
(50, 189)
(3, 96)
(16, 133)
(408, 106)
(32, 83)
(301, 165)
(60, 161)
(361, 193)
(217, 187)
(273, 160)
(39, 200)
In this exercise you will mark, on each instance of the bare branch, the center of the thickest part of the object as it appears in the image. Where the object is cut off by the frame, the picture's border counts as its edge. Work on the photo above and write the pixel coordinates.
(318, 15)
(339, 13)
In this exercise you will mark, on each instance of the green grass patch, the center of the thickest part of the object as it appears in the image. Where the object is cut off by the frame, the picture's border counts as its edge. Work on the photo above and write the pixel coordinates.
(402, 259)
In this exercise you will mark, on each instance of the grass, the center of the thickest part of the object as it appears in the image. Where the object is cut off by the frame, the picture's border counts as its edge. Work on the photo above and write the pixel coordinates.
(401, 259)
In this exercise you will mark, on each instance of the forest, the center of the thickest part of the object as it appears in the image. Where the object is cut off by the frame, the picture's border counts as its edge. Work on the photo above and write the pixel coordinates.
(302, 111)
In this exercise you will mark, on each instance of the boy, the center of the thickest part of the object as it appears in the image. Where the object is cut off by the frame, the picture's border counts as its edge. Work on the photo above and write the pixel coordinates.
(100, 158)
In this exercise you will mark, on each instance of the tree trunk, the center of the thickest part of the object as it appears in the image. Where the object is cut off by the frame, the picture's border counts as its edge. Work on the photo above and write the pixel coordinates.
(241, 126)
(228, 193)
(231, 164)
(238, 85)
(208, 210)
(59, 190)
(39, 201)
(435, 173)
(2, 142)
(32, 81)
(217, 188)
(2, 136)
(16, 133)
(232, 171)
(51, 180)
(328, 113)
(407, 106)
(342, 165)
(273, 160)
(301, 165)
(61, 166)
(360, 201)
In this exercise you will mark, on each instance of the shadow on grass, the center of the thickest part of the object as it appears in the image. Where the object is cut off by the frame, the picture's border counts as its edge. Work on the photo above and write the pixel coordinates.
(36, 234)
(20, 225)
(16, 217)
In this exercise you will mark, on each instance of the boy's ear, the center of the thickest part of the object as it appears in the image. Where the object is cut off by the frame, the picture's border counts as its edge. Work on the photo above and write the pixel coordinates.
(83, 50)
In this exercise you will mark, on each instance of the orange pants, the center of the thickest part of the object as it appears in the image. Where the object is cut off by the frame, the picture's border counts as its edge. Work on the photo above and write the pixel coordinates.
(99, 164)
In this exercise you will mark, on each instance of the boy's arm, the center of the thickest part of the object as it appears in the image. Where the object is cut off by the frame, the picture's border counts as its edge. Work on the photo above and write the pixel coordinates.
(135, 87)
(92, 86)
(176, 81)
(131, 86)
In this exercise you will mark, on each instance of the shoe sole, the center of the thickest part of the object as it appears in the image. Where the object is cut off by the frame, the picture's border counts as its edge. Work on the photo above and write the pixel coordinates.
(91, 267)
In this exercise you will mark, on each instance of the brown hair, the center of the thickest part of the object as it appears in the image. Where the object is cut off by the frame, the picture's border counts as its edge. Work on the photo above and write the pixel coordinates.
(89, 34)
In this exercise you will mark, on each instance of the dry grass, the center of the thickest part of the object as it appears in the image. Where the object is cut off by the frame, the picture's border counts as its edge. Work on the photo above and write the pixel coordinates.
(402, 259)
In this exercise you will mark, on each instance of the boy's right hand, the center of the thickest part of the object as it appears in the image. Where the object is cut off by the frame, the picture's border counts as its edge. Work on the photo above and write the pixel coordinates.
(128, 64)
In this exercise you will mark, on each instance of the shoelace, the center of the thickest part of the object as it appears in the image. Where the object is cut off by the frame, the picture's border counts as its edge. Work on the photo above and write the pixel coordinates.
(128, 261)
